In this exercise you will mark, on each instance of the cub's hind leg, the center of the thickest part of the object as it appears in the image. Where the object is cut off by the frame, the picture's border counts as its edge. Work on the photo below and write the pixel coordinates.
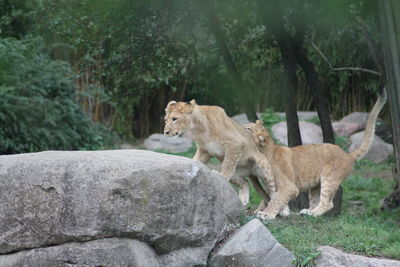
(329, 185)
(313, 196)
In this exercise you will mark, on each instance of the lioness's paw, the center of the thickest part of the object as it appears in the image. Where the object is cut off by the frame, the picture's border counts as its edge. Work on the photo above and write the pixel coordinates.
(244, 201)
(285, 212)
(265, 216)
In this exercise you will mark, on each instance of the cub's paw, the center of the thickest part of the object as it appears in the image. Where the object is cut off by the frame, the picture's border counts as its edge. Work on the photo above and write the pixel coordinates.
(285, 212)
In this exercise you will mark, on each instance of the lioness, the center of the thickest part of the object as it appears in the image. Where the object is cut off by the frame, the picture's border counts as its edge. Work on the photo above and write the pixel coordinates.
(217, 135)
(317, 168)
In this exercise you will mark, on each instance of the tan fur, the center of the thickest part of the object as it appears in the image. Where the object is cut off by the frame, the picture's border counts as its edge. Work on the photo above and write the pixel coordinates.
(217, 135)
(317, 168)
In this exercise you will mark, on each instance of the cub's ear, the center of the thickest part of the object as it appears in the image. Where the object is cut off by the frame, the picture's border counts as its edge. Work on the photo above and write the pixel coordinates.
(248, 129)
(193, 102)
(259, 122)
(170, 104)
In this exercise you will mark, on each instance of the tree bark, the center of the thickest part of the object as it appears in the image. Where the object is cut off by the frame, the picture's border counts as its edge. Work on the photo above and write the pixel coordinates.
(390, 26)
(290, 84)
(319, 100)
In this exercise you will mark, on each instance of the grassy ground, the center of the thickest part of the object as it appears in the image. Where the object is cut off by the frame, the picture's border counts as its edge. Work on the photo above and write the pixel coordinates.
(362, 228)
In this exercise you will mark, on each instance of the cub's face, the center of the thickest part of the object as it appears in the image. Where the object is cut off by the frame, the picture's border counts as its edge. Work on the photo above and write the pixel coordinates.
(260, 135)
(178, 117)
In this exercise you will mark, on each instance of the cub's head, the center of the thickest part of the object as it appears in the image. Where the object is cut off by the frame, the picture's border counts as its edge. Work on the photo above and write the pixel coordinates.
(260, 135)
(178, 117)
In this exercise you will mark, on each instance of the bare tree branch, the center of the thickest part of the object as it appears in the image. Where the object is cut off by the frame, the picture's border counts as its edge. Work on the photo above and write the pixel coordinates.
(373, 72)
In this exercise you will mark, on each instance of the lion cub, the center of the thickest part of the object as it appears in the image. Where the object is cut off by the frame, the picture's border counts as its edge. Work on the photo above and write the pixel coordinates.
(316, 168)
(217, 135)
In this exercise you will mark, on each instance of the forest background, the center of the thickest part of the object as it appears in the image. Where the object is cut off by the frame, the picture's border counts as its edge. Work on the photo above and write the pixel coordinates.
(75, 74)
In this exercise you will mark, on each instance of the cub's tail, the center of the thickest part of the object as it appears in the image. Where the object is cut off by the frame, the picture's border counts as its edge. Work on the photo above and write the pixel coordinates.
(370, 128)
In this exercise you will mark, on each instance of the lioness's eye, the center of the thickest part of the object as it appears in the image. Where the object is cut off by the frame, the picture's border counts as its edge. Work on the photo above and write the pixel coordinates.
(174, 119)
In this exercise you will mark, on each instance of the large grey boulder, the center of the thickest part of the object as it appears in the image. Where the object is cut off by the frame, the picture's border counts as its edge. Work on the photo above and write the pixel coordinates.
(252, 245)
(379, 150)
(103, 252)
(175, 144)
(333, 257)
(173, 204)
(310, 132)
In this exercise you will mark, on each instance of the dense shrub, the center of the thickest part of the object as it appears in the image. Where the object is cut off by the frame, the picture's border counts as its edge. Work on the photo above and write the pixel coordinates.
(38, 110)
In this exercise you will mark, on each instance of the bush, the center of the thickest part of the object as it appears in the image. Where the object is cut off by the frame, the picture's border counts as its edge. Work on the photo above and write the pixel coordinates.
(37, 103)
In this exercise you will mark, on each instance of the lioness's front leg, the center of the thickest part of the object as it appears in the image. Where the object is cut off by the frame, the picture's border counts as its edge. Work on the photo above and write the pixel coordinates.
(202, 155)
(278, 202)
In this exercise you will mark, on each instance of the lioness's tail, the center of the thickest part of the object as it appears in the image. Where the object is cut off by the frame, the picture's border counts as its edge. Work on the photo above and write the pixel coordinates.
(370, 128)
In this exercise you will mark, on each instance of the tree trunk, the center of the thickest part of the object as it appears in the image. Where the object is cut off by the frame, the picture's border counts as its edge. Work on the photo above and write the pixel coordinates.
(240, 88)
(319, 100)
(290, 84)
(390, 26)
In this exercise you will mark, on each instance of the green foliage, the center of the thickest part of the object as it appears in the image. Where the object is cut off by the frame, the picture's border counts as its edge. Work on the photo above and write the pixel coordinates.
(38, 110)
(343, 142)
(269, 118)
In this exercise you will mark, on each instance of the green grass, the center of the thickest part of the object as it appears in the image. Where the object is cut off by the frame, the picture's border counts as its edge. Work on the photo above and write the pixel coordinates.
(362, 228)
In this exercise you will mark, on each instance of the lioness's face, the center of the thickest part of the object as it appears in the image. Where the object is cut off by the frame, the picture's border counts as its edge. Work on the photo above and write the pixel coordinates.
(260, 135)
(178, 117)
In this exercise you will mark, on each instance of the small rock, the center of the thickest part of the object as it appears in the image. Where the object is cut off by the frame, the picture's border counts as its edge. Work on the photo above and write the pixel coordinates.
(252, 245)
(310, 133)
(345, 128)
(333, 257)
(379, 150)
(174, 144)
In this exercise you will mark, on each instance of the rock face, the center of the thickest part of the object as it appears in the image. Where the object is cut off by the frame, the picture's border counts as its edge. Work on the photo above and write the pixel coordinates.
(174, 144)
(379, 150)
(333, 257)
(252, 245)
(310, 133)
(174, 206)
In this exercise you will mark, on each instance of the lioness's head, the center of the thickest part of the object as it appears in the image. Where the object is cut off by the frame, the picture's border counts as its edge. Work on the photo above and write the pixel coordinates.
(260, 135)
(178, 117)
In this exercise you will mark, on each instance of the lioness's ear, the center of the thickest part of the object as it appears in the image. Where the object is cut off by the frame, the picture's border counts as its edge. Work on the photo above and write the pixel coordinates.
(170, 104)
(189, 106)
(248, 129)
(259, 122)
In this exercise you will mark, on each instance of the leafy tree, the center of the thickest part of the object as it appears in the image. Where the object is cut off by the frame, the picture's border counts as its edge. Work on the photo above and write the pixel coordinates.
(38, 108)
